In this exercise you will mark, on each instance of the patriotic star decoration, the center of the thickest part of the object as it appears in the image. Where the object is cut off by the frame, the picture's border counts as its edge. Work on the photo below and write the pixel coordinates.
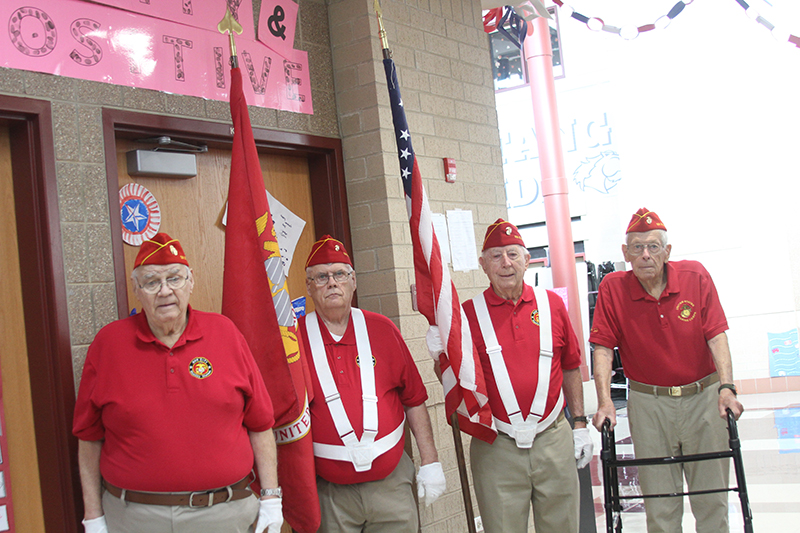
(135, 216)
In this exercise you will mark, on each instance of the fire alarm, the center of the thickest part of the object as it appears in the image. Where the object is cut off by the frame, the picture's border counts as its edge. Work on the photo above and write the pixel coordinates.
(449, 170)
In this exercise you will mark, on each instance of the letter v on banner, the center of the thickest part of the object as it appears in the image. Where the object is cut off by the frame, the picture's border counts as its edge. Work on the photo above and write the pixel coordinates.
(258, 82)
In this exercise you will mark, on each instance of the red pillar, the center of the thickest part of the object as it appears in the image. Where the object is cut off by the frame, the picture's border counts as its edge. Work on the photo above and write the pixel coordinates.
(538, 55)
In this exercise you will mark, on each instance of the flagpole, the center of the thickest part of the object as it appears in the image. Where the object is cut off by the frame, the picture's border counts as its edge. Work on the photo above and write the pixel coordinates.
(230, 25)
(458, 443)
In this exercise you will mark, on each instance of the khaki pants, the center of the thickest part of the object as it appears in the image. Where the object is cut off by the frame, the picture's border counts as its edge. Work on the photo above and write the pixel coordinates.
(509, 479)
(231, 517)
(383, 506)
(665, 426)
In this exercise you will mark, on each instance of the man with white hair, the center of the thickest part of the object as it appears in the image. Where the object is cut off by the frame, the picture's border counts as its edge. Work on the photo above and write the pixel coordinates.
(172, 415)
(366, 385)
(531, 361)
(666, 319)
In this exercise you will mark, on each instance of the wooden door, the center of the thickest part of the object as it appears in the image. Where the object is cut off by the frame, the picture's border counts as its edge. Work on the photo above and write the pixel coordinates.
(192, 211)
(22, 461)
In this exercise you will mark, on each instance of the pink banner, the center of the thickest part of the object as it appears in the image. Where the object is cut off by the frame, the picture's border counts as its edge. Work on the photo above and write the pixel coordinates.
(276, 24)
(83, 40)
(204, 14)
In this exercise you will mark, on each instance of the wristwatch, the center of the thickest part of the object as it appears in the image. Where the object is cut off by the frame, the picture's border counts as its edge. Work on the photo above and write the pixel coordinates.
(579, 419)
(730, 386)
(272, 492)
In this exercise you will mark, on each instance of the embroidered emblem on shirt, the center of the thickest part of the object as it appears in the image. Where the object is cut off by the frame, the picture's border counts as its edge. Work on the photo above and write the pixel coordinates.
(374, 362)
(535, 317)
(686, 311)
(200, 367)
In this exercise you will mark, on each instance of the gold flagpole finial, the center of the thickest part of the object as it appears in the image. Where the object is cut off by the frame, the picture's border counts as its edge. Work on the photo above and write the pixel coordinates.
(382, 31)
(230, 25)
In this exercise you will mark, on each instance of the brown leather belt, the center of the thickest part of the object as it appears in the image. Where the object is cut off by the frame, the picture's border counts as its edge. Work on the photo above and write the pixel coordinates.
(683, 390)
(237, 491)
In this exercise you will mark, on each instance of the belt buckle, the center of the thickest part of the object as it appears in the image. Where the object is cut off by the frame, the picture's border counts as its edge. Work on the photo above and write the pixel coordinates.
(193, 494)
(675, 391)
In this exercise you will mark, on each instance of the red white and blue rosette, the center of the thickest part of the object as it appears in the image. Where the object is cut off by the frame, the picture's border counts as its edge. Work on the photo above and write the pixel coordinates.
(139, 212)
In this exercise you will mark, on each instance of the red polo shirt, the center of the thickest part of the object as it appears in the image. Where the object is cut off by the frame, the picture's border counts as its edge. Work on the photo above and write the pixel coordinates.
(518, 334)
(661, 342)
(173, 419)
(397, 385)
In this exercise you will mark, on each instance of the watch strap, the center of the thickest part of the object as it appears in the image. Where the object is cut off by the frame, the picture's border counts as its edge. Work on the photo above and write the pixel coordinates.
(580, 419)
(730, 386)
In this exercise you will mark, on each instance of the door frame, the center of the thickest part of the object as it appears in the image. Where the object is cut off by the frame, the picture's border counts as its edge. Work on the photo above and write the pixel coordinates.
(44, 298)
(325, 166)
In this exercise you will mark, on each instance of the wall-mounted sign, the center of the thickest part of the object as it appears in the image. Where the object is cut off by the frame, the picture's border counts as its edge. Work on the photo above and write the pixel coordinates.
(144, 49)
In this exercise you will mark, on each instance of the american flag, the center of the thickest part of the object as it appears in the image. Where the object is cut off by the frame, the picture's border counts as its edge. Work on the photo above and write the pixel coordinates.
(437, 300)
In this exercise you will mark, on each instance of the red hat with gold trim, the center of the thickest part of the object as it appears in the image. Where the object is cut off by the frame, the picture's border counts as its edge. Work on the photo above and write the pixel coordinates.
(327, 250)
(501, 233)
(644, 220)
(160, 250)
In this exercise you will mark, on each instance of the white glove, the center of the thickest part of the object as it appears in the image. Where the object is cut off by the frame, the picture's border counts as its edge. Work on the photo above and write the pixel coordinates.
(434, 342)
(95, 525)
(583, 446)
(270, 516)
(430, 482)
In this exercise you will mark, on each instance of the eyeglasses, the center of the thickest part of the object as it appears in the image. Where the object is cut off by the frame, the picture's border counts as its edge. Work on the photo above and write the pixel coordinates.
(638, 249)
(173, 282)
(340, 276)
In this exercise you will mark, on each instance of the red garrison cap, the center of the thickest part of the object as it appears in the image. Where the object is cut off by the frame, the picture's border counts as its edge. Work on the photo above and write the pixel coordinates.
(160, 250)
(327, 250)
(644, 220)
(501, 233)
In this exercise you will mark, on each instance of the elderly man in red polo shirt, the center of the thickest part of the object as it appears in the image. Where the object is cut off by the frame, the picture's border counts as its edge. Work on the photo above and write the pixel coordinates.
(530, 358)
(366, 385)
(666, 320)
(172, 414)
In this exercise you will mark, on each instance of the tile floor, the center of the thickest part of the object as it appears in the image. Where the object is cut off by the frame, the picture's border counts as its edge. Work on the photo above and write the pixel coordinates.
(770, 433)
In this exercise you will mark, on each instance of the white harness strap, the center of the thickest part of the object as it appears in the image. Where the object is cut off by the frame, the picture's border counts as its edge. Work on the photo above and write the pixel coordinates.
(360, 452)
(523, 430)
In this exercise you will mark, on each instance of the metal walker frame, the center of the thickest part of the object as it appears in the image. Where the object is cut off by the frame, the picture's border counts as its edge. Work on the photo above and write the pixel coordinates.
(611, 463)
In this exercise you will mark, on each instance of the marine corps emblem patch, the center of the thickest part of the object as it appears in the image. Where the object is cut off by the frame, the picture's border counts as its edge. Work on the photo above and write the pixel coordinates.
(535, 317)
(374, 361)
(200, 367)
(686, 311)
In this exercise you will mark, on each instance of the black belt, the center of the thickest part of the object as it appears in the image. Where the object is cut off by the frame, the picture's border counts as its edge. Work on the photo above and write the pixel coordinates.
(237, 491)
(681, 390)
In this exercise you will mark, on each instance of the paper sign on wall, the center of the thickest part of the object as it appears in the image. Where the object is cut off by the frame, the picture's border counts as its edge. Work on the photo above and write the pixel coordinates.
(89, 41)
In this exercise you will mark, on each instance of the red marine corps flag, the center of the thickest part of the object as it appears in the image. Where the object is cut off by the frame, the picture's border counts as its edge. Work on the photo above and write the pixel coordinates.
(255, 297)
(437, 300)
